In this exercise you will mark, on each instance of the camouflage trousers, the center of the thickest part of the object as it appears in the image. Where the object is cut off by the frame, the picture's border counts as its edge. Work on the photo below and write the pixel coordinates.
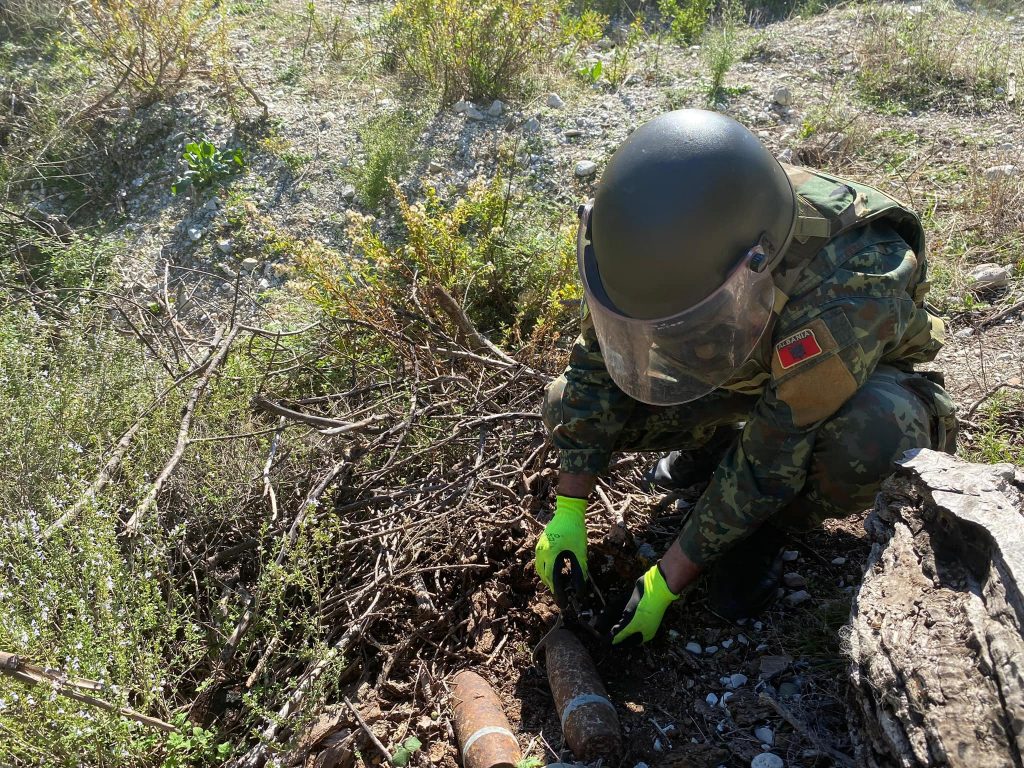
(853, 451)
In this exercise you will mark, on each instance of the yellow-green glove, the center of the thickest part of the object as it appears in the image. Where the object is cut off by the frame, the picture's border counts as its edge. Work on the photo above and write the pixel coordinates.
(645, 609)
(565, 537)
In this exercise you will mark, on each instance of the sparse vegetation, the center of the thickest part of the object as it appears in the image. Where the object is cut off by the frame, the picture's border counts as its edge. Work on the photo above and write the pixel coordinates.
(388, 142)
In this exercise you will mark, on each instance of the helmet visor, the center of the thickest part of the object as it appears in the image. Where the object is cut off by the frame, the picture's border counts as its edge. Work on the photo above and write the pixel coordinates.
(677, 359)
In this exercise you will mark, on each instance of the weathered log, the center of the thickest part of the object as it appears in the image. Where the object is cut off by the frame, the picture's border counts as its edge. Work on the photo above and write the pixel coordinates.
(938, 653)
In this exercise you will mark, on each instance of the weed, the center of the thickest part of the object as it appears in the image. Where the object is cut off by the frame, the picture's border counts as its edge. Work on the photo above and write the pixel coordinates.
(388, 141)
(578, 30)
(622, 56)
(720, 50)
(330, 28)
(480, 49)
(405, 751)
(151, 48)
(591, 73)
(193, 747)
(1000, 437)
(208, 166)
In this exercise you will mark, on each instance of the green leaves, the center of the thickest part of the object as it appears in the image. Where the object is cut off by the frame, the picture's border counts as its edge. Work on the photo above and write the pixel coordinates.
(404, 753)
(591, 73)
(208, 166)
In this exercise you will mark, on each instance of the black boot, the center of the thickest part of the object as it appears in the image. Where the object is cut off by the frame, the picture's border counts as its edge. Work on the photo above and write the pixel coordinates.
(681, 469)
(744, 581)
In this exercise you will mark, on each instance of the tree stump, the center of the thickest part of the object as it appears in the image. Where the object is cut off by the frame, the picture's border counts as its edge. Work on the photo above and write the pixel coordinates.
(938, 653)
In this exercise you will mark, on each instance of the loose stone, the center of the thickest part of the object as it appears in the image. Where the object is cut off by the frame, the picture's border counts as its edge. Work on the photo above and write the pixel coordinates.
(794, 580)
(765, 735)
(585, 169)
(767, 760)
(555, 101)
(796, 598)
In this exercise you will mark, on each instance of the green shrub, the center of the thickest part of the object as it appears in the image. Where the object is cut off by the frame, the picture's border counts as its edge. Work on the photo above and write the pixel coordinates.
(388, 142)
(208, 166)
(720, 50)
(512, 268)
(480, 49)
(686, 18)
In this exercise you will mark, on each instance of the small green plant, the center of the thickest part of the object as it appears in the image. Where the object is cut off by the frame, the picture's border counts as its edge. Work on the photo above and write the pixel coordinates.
(591, 73)
(208, 166)
(530, 762)
(388, 141)
(404, 753)
(720, 51)
(622, 57)
(579, 30)
(193, 747)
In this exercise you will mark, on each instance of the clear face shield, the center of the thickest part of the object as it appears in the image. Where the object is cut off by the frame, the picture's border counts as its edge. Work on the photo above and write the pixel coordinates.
(677, 359)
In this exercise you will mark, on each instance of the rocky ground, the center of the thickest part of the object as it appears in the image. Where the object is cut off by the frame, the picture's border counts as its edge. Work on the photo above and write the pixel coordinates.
(707, 692)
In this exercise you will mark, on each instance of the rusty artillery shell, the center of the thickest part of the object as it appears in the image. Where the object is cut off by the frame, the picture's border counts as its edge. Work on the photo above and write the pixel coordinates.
(485, 738)
(589, 721)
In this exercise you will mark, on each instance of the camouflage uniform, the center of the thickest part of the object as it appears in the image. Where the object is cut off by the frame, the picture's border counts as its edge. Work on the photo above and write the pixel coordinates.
(829, 399)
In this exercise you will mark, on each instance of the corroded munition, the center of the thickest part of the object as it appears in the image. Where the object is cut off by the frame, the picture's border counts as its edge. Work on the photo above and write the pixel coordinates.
(485, 738)
(588, 717)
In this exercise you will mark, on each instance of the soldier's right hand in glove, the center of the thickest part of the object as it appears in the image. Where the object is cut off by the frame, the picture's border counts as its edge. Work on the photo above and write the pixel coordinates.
(565, 537)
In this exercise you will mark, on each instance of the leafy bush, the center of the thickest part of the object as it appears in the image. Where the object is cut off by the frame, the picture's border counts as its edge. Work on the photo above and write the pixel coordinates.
(686, 18)
(151, 48)
(477, 48)
(720, 51)
(516, 277)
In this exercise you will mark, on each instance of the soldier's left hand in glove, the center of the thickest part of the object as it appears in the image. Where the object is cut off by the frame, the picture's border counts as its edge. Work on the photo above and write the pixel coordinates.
(643, 613)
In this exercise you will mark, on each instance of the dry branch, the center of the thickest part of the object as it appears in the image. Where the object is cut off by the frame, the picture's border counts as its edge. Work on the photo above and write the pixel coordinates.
(14, 667)
(221, 344)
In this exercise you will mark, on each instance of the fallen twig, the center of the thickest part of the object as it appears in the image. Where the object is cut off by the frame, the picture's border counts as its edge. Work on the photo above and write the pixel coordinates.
(841, 759)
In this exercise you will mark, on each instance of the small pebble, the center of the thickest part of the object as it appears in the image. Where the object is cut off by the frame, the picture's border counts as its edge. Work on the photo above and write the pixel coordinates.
(249, 264)
(434, 167)
(531, 126)
(573, 133)
(711, 650)
(782, 96)
(694, 648)
(762, 647)
(585, 169)
(758, 626)
(839, 561)
(767, 760)
(794, 580)
(711, 699)
(742, 640)
(195, 234)
(225, 246)
(496, 109)
(555, 101)
(737, 681)
(765, 735)
(790, 555)
(728, 643)
(462, 106)
(348, 193)
(474, 114)
(1001, 172)
(798, 597)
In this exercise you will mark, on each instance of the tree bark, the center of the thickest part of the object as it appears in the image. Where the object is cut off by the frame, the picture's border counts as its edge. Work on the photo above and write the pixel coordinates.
(938, 653)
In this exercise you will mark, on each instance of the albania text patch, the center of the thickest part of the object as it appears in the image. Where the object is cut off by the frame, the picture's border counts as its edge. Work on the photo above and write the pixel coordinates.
(797, 348)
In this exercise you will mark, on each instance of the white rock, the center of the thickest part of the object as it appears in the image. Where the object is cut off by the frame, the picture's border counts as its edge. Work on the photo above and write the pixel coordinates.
(434, 167)
(462, 106)
(986, 276)
(743, 639)
(839, 561)
(782, 96)
(641, 765)
(790, 555)
(249, 264)
(963, 333)
(726, 698)
(195, 234)
(758, 626)
(348, 193)
(737, 681)
(694, 648)
(798, 597)
(767, 760)
(711, 699)
(212, 204)
(762, 647)
(765, 735)
(327, 119)
(531, 126)
(496, 109)
(585, 169)
(474, 114)
(264, 283)
(225, 246)
(1001, 172)
(794, 580)
(657, 745)
(555, 101)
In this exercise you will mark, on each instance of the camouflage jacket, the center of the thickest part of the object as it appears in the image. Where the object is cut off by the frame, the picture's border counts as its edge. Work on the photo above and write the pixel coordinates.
(846, 304)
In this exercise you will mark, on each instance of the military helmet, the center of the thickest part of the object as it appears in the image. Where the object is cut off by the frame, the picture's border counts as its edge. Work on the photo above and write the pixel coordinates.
(676, 251)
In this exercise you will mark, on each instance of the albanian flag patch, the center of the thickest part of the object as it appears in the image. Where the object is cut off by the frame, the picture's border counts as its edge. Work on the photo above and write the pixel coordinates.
(797, 348)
